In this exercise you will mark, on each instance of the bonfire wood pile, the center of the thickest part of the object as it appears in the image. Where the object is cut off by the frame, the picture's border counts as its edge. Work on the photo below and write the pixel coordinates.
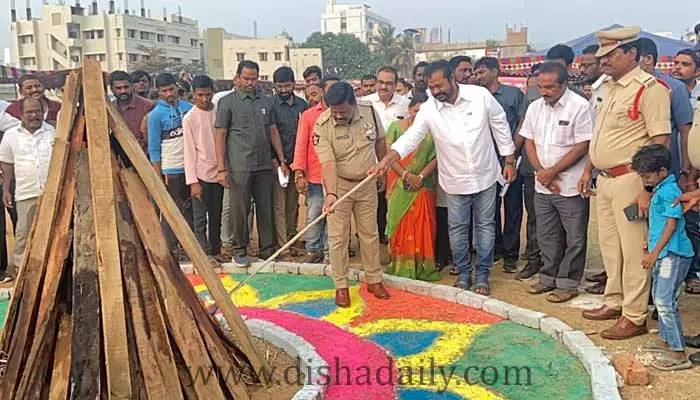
(100, 310)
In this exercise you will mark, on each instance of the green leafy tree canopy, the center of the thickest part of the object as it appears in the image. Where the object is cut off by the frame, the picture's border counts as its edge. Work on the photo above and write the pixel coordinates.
(344, 55)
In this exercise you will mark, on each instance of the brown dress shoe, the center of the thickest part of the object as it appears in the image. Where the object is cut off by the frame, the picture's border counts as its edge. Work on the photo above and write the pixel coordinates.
(624, 329)
(603, 313)
(378, 290)
(342, 298)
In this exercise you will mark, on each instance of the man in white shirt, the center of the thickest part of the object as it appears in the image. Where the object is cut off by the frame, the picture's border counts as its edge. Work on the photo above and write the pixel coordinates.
(465, 121)
(390, 107)
(6, 123)
(25, 153)
(558, 128)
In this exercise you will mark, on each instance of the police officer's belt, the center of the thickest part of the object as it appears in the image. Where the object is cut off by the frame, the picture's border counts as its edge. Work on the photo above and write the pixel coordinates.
(615, 172)
(351, 180)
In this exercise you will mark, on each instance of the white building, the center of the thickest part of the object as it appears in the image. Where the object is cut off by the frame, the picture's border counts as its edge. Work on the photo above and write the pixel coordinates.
(65, 34)
(355, 19)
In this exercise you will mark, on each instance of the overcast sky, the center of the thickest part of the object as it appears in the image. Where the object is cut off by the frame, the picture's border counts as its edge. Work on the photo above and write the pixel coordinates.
(548, 21)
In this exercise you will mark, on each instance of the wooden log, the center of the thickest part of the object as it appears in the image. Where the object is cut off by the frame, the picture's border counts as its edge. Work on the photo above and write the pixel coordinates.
(34, 263)
(156, 358)
(86, 341)
(60, 377)
(157, 190)
(58, 253)
(179, 318)
(106, 237)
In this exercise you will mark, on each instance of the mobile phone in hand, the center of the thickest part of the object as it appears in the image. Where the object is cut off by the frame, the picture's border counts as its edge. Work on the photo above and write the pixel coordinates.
(632, 212)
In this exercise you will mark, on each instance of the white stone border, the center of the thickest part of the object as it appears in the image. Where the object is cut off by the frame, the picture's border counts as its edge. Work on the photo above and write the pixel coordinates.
(604, 382)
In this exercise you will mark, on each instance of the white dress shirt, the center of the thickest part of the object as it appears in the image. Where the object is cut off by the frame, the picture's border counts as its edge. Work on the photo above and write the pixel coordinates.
(555, 131)
(218, 96)
(7, 121)
(30, 155)
(388, 113)
(464, 135)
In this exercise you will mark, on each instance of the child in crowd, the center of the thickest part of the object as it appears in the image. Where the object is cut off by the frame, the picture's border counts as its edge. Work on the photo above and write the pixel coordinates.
(200, 169)
(668, 251)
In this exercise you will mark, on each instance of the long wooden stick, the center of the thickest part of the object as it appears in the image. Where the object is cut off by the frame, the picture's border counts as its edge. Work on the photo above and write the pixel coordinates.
(300, 234)
(156, 188)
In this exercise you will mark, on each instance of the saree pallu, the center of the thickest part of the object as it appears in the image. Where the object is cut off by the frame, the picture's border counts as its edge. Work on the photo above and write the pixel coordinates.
(411, 222)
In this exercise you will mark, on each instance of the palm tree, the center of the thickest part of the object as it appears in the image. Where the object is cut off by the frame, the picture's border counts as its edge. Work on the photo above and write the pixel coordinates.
(404, 57)
(385, 41)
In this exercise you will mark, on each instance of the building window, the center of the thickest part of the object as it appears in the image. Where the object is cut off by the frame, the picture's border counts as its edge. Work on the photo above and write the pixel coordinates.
(75, 58)
(264, 77)
(174, 39)
(133, 57)
(194, 42)
(262, 56)
(100, 33)
(27, 61)
(370, 26)
(278, 56)
(240, 57)
(56, 19)
(160, 38)
(73, 31)
(98, 57)
(343, 24)
(286, 54)
(194, 62)
(176, 60)
(26, 39)
(131, 33)
(146, 35)
(118, 32)
(120, 56)
(145, 57)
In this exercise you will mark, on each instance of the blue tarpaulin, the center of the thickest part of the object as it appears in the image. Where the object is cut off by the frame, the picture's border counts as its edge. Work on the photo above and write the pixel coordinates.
(667, 47)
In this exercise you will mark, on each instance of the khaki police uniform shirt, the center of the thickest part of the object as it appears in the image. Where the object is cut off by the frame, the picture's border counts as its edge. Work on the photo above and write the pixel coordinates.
(694, 139)
(351, 146)
(617, 134)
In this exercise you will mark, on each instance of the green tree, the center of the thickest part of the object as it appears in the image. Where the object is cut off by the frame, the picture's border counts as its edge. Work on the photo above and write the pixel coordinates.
(492, 43)
(404, 58)
(343, 54)
(385, 43)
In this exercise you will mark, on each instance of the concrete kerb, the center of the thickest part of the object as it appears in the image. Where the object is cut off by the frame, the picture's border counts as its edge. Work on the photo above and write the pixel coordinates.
(603, 376)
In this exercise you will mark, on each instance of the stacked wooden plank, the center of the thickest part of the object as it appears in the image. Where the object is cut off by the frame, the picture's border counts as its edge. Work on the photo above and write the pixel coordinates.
(100, 309)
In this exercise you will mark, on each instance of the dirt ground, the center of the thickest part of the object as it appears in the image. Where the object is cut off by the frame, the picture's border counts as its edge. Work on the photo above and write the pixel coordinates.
(279, 362)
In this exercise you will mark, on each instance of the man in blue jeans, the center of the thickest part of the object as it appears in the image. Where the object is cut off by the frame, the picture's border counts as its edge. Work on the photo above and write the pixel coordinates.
(465, 121)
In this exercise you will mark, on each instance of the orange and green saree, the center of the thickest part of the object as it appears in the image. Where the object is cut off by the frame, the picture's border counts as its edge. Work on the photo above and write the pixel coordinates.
(411, 220)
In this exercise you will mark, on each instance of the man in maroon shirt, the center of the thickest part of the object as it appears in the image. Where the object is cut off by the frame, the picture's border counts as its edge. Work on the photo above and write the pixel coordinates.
(31, 86)
(133, 108)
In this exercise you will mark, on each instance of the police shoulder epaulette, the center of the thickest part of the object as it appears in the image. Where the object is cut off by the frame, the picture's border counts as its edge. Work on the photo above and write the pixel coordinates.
(646, 80)
(323, 118)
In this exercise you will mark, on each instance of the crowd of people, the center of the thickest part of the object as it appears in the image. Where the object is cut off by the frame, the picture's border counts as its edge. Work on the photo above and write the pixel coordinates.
(437, 168)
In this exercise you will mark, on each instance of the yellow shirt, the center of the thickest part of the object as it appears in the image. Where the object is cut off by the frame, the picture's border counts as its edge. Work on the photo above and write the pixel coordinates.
(618, 134)
(351, 146)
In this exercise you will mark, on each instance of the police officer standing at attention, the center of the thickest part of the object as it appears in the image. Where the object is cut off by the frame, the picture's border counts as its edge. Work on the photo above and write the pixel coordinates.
(349, 139)
(634, 111)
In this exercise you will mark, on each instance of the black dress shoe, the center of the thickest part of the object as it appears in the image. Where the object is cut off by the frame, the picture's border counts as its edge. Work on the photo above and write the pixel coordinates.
(692, 341)
(695, 358)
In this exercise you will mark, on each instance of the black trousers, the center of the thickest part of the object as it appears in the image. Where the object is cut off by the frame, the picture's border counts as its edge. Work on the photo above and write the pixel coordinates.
(3, 234)
(532, 250)
(508, 234)
(180, 193)
(442, 241)
(381, 216)
(207, 213)
(259, 186)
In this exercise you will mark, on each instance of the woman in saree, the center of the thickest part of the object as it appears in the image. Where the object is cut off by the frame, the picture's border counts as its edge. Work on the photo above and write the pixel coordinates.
(411, 221)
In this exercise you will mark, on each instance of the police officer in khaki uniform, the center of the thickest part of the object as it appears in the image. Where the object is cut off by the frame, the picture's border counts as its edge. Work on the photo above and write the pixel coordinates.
(349, 139)
(635, 111)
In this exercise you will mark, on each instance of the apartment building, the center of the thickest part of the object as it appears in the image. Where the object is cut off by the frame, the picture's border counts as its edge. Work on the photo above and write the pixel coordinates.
(66, 33)
(225, 50)
(356, 19)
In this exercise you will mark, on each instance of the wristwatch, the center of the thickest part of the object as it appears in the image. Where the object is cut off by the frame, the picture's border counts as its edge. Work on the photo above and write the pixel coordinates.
(511, 163)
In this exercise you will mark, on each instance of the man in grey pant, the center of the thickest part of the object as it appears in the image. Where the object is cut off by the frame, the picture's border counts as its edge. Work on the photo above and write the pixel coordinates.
(558, 128)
